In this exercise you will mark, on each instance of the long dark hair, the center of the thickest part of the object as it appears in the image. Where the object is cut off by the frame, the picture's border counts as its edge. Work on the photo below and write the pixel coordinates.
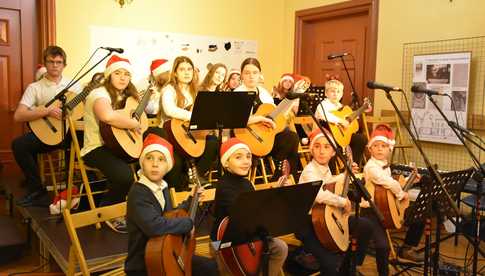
(206, 83)
(174, 82)
(129, 91)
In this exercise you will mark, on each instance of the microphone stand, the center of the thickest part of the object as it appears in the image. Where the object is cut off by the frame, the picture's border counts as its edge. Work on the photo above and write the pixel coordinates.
(355, 102)
(359, 183)
(478, 177)
(61, 96)
(433, 172)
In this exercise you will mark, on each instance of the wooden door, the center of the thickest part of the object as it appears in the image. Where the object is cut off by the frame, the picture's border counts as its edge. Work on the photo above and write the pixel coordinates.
(18, 51)
(341, 28)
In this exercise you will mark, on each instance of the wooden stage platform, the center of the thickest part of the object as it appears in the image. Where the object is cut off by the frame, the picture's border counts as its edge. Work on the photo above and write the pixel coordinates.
(99, 245)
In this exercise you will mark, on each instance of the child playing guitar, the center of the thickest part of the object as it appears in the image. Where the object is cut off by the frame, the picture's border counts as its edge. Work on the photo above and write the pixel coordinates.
(334, 90)
(236, 159)
(100, 106)
(318, 169)
(148, 200)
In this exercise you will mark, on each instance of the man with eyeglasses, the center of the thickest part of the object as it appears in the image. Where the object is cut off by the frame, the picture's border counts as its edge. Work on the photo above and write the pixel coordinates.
(31, 107)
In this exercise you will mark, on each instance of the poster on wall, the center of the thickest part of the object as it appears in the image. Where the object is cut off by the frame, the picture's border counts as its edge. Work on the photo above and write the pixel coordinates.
(141, 47)
(450, 75)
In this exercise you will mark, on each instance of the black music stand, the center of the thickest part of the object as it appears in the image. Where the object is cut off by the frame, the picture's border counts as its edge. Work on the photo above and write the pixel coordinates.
(433, 201)
(220, 110)
(280, 211)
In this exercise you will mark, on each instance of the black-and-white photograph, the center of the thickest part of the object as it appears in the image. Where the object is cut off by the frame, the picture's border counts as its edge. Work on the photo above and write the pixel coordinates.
(459, 99)
(419, 99)
(438, 73)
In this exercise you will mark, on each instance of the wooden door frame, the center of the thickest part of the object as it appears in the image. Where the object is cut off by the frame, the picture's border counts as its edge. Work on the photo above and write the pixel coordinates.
(341, 9)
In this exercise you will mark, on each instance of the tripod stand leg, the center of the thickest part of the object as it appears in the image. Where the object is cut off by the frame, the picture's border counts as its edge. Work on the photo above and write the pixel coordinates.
(427, 235)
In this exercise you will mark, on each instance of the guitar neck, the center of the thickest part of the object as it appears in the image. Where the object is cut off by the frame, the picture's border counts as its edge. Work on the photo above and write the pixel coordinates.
(79, 98)
(410, 181)
(143, 103)
(357, 113)
(282, 107)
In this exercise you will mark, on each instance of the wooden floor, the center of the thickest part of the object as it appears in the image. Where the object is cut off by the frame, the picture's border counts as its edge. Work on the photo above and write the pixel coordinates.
(449, 254)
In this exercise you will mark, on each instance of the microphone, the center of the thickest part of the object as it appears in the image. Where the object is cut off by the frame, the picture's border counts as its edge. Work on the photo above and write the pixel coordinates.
(118, 50)
(429, 92)
(376, 85)
(337, 55)
(461, 129)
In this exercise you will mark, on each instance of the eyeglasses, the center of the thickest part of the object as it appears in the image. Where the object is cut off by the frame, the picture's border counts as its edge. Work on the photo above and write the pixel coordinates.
(55, 62)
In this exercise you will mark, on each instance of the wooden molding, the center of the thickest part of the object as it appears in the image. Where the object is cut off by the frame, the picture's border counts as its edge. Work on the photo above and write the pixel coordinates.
(47, 23)
(371, 7)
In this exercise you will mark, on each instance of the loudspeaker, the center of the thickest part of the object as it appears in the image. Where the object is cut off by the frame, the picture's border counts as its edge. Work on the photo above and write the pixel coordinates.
(12, 243)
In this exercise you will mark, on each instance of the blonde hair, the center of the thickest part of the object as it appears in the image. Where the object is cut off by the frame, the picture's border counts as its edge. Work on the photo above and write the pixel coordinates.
(334, 84)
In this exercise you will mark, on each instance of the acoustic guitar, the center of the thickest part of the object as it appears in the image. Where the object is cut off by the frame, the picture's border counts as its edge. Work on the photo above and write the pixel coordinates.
(246, 259)
(186, 141)
(127, 143)
(341, 134)
(392, 209)
(171, 255)
(259, 137)
(49, 129)
(330, 223)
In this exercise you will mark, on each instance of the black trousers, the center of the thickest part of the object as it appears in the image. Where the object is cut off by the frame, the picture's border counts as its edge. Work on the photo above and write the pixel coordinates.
(117, 171)
(177, 177)
(379, 236)
(414, 233)
(286, 147)
(358, 143)
(25, 149)
(330, 261)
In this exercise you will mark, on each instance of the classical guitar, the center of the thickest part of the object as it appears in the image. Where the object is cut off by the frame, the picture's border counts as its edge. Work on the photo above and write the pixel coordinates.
(343, 135)
(127, 143)
(171, 255)
(392, 209)
(48, 129)
(259, 137)
(245, 259)
(189, 142)
(330, 223)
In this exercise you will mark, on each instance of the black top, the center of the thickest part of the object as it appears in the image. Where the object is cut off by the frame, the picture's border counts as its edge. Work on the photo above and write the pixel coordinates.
(145, 220)
(229, 187)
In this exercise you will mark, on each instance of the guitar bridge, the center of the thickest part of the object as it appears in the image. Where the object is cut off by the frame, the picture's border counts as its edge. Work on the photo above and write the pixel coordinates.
(254, 134)
(187, 132)
(339, 225)
(180, 262)
(128, 133)
(50, 125)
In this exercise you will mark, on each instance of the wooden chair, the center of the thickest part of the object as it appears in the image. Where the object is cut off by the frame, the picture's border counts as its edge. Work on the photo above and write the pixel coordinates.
(76, 163)
(260, 166)
(394, 122)
(83, 219)
(306, 122)
(54, 171)
(202, 247)
(153, 122)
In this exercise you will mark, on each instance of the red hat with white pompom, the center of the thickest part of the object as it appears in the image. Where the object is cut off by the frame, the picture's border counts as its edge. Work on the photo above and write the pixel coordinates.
(159, 66)
(156, 143)
(384, 133)
(116, 62)
(316, 134)
(231, 146)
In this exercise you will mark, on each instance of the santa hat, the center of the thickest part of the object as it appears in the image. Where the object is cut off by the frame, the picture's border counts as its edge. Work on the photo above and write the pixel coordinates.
(59, 202)
(41, 70)
(156, 143)
(116, 62)
(316, 134)
(229, 147)
(383, 133)
(159, 66)
(302, 83)
(287, 76)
